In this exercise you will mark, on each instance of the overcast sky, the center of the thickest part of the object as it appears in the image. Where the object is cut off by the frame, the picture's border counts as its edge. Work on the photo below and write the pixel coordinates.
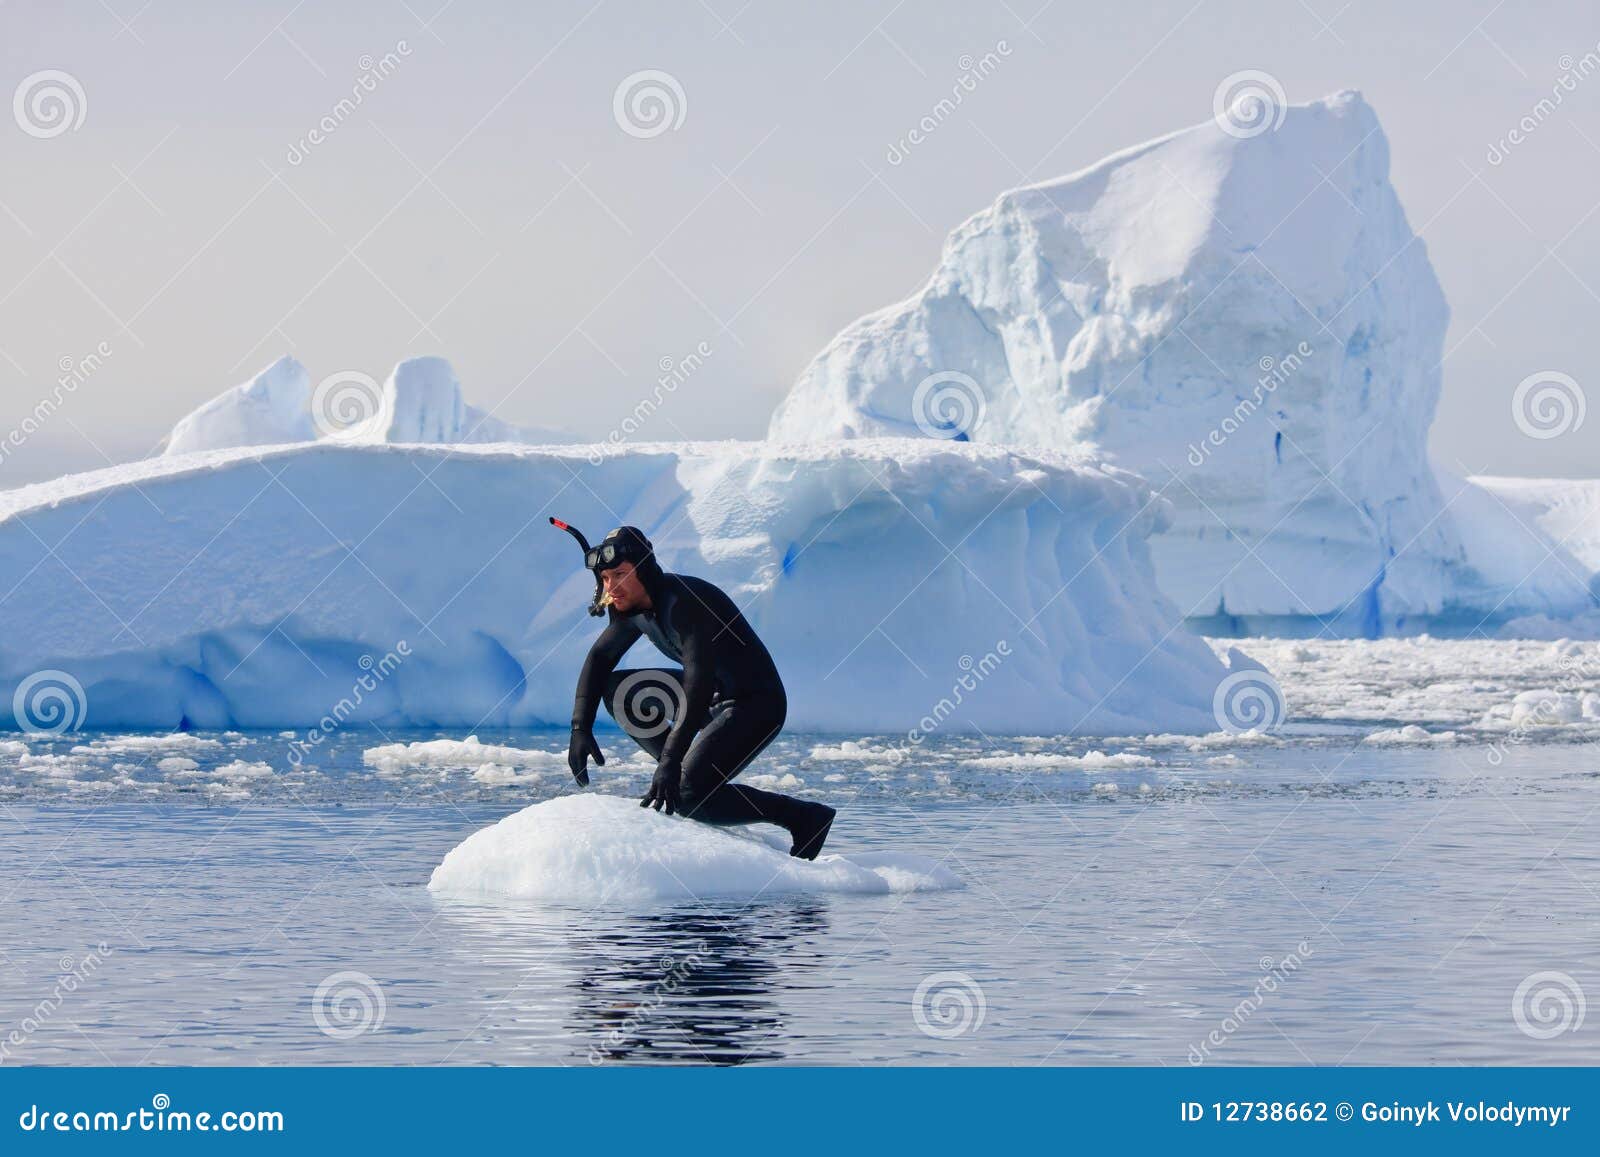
(483, 203)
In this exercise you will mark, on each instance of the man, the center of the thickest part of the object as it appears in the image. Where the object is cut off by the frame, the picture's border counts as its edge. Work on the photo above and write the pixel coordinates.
(727, 699)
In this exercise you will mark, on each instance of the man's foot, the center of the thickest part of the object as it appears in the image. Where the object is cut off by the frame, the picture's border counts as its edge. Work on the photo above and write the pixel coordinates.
(809, 829)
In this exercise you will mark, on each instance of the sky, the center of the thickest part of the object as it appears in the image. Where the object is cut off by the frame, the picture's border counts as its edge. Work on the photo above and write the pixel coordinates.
(486, 200)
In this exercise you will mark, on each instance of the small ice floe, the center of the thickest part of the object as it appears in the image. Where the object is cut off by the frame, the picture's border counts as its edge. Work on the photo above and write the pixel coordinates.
(1049, 761)
(393, 759)
(594, 850)
(1409, 735)
(503, 775)
(174, 744)
(770, 782)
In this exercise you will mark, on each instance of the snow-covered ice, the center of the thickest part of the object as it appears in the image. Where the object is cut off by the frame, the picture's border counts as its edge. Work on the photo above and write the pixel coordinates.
(898, 583)
(594, 850)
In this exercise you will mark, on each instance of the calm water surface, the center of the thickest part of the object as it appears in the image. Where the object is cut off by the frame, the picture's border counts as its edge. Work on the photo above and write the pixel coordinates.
(1320, 901)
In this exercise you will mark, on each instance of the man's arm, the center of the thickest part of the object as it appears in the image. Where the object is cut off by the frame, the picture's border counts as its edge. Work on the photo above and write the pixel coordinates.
(604, 655)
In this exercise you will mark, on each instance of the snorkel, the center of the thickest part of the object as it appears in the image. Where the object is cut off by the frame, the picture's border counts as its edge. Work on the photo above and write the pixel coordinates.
(597, 605)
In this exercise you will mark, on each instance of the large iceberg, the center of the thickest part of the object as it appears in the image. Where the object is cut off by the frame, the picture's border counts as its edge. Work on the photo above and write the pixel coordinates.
(901, 584)
(1239, 312)
(421, 401)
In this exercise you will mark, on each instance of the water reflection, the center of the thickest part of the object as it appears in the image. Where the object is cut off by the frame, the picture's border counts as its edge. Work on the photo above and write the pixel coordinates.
(700, 984)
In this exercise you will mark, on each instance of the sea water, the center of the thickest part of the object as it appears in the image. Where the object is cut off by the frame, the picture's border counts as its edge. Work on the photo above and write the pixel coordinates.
(1301, 898)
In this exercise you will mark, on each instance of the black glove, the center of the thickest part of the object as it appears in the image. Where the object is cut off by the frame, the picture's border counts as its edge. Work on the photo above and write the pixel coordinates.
(578, 753)
(664, 786)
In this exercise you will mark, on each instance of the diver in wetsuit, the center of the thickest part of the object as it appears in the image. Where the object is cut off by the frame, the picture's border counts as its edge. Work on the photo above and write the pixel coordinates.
(727, 701)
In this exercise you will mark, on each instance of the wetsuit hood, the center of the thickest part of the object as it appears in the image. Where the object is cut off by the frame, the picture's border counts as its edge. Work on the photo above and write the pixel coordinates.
(628, 544)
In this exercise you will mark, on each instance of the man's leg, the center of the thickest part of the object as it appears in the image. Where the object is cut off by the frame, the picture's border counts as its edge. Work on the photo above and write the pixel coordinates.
(736, 733)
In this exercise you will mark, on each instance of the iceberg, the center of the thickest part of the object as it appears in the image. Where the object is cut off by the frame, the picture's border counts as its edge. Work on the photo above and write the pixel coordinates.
(901, 584)
(420, 401)
(1242, 315)
(595, 850)
(271, 408)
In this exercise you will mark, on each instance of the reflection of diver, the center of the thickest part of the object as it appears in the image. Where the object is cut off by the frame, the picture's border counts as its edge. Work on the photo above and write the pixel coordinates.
(689, 986)
(727, 702)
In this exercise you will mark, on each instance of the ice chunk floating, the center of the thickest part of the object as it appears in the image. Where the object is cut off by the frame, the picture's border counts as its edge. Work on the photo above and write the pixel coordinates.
(594, 850)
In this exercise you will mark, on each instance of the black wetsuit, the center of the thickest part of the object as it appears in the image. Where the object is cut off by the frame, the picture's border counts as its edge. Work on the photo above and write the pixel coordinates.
(727, 701)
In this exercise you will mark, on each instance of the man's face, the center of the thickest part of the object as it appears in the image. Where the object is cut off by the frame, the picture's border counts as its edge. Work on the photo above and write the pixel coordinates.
(624, 589)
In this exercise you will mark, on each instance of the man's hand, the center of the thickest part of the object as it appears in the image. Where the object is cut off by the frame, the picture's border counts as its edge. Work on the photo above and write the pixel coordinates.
(578, 753)
(664, 787)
